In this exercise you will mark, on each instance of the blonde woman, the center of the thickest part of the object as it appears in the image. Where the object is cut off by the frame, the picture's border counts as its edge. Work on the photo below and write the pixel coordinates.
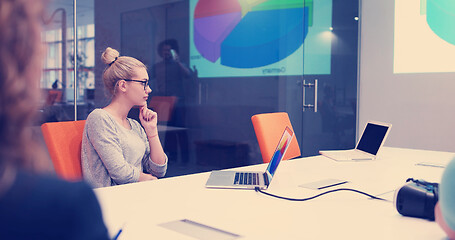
(116, 149)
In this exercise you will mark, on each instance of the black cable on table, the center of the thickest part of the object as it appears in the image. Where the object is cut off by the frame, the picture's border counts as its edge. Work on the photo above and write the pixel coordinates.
(257, 189)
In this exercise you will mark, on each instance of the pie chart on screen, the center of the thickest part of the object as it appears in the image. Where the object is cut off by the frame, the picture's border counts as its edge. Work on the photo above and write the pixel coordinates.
(250, 33)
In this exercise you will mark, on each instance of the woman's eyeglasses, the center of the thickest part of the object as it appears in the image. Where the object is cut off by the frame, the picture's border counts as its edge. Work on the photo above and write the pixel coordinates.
(145, 83)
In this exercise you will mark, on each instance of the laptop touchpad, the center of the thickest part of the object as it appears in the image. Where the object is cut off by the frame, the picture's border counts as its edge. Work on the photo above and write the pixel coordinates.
(221, 177)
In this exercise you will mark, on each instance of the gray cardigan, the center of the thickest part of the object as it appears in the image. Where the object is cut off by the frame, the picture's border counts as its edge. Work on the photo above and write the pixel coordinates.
(112, 154)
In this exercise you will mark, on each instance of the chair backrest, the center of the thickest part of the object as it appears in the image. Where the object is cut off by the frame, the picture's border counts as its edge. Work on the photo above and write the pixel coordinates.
(163, 106)
(63, 141)
(268, 128)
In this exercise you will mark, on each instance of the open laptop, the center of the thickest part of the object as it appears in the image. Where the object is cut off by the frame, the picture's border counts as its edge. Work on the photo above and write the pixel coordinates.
(250, 180)
(372, 139)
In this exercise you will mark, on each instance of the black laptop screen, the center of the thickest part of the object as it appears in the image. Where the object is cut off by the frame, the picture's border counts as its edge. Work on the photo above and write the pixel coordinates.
(372, 138)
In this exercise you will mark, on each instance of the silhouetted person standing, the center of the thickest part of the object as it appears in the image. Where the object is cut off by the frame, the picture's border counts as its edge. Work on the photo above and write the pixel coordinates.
(172, 78)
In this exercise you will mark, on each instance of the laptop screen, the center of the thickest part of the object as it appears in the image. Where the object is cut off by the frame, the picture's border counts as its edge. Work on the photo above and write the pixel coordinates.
(280, 150)
(372, 138)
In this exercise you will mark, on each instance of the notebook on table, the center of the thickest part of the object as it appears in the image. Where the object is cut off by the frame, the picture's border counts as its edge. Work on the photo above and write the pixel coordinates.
(372, 139)
(250, 180)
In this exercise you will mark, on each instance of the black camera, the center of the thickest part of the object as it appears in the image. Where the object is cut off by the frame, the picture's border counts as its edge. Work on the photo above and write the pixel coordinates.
(417, 198)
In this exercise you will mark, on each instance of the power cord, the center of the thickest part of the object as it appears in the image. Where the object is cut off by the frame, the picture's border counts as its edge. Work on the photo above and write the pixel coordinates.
(257, 189)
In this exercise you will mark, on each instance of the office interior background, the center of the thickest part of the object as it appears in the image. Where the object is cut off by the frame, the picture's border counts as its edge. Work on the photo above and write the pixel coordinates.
(331, 65)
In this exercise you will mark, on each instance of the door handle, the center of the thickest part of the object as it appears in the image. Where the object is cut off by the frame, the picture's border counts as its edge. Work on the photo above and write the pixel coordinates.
(310, 85)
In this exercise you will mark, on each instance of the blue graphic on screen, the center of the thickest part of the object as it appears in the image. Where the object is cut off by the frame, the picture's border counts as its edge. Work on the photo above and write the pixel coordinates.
(236, 38)
(274, 163)
(278, 155)
(250, 46)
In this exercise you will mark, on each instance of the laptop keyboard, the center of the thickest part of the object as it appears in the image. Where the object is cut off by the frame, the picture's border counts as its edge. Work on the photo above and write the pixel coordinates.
(246, 178)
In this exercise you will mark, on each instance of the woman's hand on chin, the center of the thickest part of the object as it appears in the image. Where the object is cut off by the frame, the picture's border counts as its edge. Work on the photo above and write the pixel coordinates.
(149, 120)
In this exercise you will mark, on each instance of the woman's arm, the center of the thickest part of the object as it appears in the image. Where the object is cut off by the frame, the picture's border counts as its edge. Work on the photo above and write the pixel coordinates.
(149, 120)
(156, 163)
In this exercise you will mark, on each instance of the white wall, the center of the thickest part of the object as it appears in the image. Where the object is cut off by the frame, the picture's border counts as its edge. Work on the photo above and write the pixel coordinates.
(420, 106)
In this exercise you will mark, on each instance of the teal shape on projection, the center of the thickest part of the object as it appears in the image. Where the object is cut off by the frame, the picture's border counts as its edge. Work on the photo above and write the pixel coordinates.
(441, 18)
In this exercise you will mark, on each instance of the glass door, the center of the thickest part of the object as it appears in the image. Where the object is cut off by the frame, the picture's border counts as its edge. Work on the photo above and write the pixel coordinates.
(327, 90)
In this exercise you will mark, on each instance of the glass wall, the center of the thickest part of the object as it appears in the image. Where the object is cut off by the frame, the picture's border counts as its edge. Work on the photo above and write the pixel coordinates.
(212, 65)
(58, 78)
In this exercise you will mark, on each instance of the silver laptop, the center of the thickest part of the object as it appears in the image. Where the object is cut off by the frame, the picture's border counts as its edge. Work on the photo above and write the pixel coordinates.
(373, 137)
(250, 180)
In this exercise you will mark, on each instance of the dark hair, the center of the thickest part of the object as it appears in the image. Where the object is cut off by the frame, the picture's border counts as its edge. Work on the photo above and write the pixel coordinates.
(171, 42)
(20, 70)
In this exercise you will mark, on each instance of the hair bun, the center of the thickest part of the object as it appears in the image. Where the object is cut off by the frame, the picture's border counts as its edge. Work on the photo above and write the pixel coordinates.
(109, 55)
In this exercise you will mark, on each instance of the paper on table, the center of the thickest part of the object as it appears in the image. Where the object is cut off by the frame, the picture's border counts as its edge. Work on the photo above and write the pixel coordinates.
(198, 230)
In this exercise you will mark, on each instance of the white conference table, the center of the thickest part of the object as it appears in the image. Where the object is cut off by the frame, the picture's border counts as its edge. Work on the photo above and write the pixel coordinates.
(141, 207)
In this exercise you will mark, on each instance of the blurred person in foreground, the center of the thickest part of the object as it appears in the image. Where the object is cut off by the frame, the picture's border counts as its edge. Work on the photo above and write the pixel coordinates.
(445, 208)
(33, 205)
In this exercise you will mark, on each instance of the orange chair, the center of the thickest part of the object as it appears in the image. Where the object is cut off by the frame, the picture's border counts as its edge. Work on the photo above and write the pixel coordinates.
(268, 128)
(53, 96)
(63, 141)
(163, 106)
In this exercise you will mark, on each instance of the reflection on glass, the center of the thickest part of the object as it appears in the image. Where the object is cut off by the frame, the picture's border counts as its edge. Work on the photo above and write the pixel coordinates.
(231, 60)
